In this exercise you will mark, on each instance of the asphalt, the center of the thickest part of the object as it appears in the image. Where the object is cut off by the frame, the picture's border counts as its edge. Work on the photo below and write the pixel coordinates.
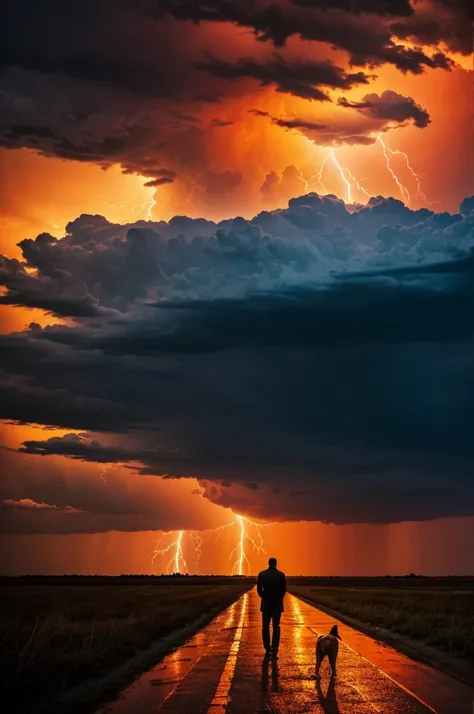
(222, 670)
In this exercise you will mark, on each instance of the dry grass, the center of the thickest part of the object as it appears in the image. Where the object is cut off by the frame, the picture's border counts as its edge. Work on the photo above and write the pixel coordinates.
(55, 636)
(442, 618)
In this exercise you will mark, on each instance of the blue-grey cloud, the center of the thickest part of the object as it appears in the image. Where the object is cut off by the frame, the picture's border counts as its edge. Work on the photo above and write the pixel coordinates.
(322, 355)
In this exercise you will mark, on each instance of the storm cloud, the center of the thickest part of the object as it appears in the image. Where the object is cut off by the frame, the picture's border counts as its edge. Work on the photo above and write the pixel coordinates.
(322, 355)
(311, 362)
(372, 115)
(390, 106)
(302, 78)
(41, 496)
(89, 85)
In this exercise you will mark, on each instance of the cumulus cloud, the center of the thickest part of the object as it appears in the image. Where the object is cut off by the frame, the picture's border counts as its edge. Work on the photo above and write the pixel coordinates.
(312, 362)
(277, 188)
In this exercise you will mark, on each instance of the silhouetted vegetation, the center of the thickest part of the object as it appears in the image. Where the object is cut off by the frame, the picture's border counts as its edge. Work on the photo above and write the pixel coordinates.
(58, 632)
(410, 580)
(435, 611)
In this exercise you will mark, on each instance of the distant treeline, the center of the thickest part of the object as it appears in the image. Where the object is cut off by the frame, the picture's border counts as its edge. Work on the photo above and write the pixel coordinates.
(459, 582)
(411, 580)
(72, 579)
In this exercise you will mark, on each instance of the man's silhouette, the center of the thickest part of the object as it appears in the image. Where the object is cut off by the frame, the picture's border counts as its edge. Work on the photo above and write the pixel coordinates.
(271, 587)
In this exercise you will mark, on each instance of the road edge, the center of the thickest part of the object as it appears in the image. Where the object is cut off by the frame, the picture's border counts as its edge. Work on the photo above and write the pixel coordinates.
(451, 666)
(93, 694)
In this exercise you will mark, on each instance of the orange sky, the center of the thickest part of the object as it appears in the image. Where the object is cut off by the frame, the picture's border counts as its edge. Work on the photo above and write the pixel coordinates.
(429, 548)
(41, 193)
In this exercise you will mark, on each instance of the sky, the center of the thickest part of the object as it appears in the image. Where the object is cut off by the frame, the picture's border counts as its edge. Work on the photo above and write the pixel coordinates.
(236, 286)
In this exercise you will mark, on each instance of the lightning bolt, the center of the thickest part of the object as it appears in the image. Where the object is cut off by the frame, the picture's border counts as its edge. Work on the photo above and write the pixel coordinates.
(242, 562)
(104, 471)
(137, 209)
(151, 205)
(387, 151)
(177, 563)
(196, 541)
(403, 189)
(350, 181)
(357, 183)
(343, 172)
(140, 207)
(319, 175)
(302, 178)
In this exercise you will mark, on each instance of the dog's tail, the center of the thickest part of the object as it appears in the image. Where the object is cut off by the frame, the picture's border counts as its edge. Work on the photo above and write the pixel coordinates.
(335, 633)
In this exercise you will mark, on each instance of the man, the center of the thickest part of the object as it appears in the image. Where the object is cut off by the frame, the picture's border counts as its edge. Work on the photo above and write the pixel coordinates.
(271, 587)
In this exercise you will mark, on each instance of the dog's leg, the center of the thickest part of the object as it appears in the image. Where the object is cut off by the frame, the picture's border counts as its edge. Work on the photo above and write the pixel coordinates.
(332, 662)
(318, 662)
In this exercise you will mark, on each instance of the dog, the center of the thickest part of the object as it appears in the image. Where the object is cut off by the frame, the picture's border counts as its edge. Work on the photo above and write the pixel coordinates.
(327, 646)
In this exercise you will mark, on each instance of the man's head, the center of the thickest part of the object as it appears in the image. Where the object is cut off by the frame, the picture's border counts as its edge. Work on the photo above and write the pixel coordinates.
(272, 562)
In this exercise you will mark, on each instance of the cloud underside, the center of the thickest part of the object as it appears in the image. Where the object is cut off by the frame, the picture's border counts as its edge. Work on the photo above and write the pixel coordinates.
(308, 363)
(75, 93)
(372, 116)
(311, 363)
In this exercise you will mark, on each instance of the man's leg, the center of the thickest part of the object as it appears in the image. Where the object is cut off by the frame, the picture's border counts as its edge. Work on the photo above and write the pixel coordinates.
(276, 631)
(266, 630)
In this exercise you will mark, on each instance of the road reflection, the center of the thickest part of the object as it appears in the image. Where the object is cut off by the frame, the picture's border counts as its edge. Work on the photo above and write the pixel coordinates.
(297, 625)
(221, 697)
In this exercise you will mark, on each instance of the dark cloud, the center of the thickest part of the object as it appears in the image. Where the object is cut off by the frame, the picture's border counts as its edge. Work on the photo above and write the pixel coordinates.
(378, 7)
(377, 113)
(159, 181)
(440, 21)
(46, 294)
(130, 84)
(467, 206)
(302, 78)
(41, 496)
(322, 355)
(220, 123)
(162, 177)
(109, 44)
(367, 37)
(78, 447)
(290, 123)
(390, 107)
(94, 89)
(336, 133)
(314, 346)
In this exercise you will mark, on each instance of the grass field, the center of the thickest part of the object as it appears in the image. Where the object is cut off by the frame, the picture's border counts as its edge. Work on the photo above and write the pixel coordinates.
(54, 636)
(437, 612)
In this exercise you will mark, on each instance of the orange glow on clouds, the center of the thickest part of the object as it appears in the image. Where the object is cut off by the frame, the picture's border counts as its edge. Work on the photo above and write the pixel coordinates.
(39, 194)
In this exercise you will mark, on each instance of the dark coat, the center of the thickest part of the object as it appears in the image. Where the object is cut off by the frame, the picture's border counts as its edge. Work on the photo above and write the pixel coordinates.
(271, 587)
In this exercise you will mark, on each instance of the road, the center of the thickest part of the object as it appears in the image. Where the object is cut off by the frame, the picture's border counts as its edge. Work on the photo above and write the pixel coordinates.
(221, 670)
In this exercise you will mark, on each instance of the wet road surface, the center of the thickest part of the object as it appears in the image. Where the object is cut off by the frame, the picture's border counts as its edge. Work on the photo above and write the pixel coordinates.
(222, 670)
